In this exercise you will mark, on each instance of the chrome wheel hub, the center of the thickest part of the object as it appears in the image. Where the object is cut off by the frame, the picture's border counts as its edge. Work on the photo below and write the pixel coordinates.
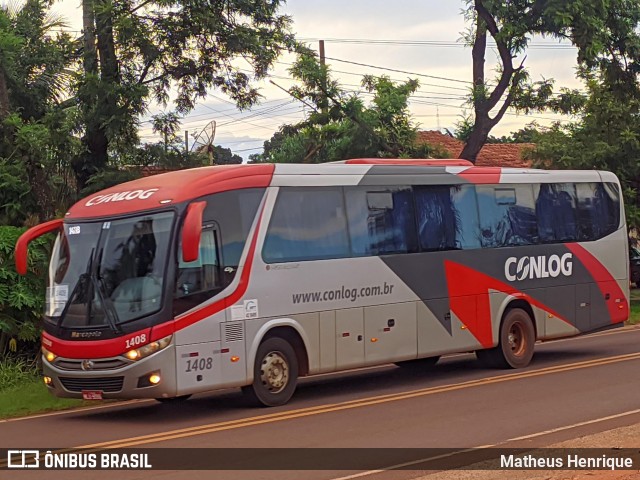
(274, 372)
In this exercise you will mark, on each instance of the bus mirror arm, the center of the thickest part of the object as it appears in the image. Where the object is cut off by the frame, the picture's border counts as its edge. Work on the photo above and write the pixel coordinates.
(192, 231)
(21, 252)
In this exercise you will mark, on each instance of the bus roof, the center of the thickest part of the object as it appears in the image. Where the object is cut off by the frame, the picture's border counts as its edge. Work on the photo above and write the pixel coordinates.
(182, 185)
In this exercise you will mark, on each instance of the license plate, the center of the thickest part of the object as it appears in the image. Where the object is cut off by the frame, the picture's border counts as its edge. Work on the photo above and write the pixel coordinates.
(92, 394)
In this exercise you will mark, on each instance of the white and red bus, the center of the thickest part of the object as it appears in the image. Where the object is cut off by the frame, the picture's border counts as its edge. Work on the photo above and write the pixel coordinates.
(254, 275)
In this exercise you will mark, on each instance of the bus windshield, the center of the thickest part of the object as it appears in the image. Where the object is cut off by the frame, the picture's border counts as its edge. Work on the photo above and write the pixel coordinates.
(107, 273)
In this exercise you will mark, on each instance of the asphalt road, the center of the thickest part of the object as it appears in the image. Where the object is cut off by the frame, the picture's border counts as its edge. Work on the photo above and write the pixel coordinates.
(573, 387)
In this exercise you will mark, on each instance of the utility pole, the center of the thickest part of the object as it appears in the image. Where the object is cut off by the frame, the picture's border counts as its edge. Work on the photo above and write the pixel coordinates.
(186, 144)
(324, 79)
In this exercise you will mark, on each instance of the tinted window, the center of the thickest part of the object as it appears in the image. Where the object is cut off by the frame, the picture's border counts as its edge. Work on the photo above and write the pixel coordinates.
(202, 274)
(447, 217)
(598, 210)
(227, 220)
(507, 215)
(234, 213)
(381, 220)
(556, 212)
(307, 224)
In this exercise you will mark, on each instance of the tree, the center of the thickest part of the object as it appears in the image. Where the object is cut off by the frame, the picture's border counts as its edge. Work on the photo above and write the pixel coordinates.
(606, 138)
(605, 34)
(135, 51)
(35, 133)
(348, 127)
(224, 156)
(21, 298)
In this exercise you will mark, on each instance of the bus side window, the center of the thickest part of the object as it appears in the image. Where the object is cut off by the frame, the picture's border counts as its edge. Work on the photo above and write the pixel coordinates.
(507, 215)
(381, 220)
(203, 274)
(556, 212)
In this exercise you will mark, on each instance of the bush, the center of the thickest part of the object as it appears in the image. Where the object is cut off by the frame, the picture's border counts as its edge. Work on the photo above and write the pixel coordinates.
(21, 298)
(15, 371)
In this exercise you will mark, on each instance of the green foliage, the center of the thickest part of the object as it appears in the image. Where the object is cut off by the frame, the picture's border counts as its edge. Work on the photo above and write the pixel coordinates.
(342, 125)
(16, 371)
(21, 298)
(606, 138)
(138, 51)
(606, 35)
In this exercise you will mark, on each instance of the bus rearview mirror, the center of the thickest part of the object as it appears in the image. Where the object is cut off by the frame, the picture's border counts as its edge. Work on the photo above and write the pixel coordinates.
(192, 231)
(21, 252)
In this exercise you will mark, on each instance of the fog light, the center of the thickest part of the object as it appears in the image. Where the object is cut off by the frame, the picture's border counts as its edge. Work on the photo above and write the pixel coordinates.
(154, 379)
(47, 380)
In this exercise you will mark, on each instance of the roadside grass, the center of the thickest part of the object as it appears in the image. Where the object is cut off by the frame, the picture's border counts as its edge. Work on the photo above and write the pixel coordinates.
(31, 396)
(23, 392)
(634, 314)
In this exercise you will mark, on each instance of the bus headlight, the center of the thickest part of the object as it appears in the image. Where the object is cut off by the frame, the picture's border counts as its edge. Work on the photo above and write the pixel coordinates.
(146, 350)
(50, 356)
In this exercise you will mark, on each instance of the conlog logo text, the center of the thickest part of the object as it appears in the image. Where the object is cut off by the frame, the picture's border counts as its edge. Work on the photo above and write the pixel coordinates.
(120, 196)
(538, 267)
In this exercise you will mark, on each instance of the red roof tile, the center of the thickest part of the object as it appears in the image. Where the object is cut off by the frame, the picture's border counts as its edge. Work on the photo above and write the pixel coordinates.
(491, 155)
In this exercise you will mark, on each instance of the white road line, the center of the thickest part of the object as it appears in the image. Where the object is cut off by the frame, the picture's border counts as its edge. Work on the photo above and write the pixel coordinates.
(466, 450)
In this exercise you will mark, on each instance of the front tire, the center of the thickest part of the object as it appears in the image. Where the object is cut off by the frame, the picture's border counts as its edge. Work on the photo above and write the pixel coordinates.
(517, 340)
(275, 373)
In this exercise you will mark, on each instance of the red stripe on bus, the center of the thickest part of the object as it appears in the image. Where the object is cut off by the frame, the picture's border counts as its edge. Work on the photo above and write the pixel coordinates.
(481, 175)
(465, 285)
(618, 310)
(92, 348)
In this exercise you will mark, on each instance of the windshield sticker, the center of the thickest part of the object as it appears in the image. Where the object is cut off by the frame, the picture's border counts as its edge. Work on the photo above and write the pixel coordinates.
(61, 293)
(75, 230)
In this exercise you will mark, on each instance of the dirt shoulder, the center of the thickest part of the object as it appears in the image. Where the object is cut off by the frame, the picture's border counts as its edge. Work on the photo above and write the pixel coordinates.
(624, 437)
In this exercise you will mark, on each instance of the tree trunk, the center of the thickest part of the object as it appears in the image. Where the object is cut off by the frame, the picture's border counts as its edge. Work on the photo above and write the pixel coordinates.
(86, 164)
(483, 102)
(475, 142)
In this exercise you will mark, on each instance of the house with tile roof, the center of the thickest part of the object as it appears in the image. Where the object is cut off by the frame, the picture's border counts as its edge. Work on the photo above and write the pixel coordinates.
(491, 155)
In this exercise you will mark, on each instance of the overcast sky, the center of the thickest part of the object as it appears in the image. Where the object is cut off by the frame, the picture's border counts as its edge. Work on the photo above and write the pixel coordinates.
(435, 25)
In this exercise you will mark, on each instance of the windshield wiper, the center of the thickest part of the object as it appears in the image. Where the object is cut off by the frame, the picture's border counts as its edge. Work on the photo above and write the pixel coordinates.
(107, 306)
(82, 278)
(110, 312)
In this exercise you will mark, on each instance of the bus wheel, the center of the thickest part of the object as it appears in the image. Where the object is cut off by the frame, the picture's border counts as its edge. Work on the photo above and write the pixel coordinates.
(517, 340)
(275, 373)
(177, 399)
(419, 362)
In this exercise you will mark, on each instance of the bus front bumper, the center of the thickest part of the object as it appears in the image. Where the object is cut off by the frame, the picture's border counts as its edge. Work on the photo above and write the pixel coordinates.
(115, 377)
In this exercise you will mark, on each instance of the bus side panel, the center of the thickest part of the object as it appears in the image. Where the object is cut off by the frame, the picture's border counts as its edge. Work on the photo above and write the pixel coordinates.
(327, 341)
(444, 335)
(198, 367)
(349, 338)
(390, 332)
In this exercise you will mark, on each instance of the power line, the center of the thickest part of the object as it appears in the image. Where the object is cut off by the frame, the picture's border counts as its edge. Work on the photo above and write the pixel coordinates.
(428, 43)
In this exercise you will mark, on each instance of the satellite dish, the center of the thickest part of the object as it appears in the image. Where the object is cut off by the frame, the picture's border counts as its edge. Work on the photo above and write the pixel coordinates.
(203, 141)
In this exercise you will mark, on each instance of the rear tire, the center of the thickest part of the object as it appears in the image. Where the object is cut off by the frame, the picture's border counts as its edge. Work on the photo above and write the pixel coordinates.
(419, 363)
(517, 340)
(275, 374)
